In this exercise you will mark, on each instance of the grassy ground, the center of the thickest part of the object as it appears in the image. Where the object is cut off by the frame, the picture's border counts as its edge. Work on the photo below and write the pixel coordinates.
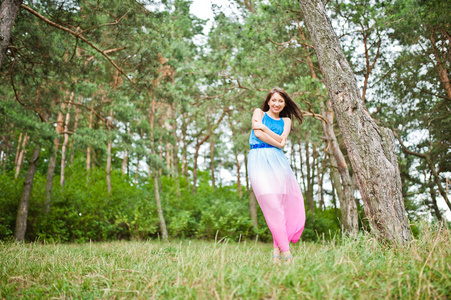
(347, 269)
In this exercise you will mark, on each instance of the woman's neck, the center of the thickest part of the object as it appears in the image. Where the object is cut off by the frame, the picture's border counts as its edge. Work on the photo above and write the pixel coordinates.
(273, 115)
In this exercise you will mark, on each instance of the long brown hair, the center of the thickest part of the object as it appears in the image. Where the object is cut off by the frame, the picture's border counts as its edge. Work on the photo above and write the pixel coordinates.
(291, 109)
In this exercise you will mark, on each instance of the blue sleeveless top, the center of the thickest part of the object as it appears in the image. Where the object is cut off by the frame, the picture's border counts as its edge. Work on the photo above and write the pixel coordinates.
(275, 125)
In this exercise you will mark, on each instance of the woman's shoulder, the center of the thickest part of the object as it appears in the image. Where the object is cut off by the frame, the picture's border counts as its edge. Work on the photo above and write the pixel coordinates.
(286, 119)
(259, 111)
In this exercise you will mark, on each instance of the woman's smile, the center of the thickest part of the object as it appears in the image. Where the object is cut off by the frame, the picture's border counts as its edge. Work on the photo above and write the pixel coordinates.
(276, 104)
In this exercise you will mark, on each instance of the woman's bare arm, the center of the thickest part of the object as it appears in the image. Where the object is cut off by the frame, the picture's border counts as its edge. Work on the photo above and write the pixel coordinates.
(258, 125)
(286, 127)
(266, 138)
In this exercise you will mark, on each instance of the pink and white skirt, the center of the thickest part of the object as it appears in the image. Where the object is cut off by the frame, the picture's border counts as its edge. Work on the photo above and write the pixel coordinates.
(278, 195)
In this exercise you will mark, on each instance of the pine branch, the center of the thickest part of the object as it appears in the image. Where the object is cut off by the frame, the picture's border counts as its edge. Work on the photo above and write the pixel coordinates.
(292, 39)
(78, 35)
(90, 109)
(406, 150)
(107, 24)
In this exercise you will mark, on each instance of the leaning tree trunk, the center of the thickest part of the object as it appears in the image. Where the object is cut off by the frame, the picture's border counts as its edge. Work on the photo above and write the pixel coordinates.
(8, 13)
(371, 149)
(22, 211)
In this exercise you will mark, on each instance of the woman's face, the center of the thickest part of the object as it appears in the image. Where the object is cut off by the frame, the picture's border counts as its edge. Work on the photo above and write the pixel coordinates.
(276, 103)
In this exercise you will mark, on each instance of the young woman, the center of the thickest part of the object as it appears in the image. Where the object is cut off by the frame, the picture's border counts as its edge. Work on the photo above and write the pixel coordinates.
(272, 179)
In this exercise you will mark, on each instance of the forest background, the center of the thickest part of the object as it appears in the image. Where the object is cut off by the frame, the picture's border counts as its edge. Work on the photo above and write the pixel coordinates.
(119, 119)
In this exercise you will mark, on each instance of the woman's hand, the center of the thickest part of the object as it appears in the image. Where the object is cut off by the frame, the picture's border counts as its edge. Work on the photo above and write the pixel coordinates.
(257, 125)
(284, 141)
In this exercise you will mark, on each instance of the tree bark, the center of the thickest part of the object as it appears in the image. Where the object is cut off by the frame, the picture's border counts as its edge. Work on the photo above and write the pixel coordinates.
(212, 163)
(65, 142)
(335, 182)
(237, 162)
(88, 150)
(293, 161)
(185, 151)
(160, 154)
(124, 166)
(49, 178)
(320, 175)
(370, 148)
(246, 171)
(8, 13)
(310, 177)
(253, 208)
(168, 156)
(124, 162)
(77, 119)
(440, 67)
(7, 147)
(21, 156)
(238, 171)
(196, 156)
(18, 149)
(435, 208)
(163, 230)
(301, 170)
(175, 151)
(137, 170)
(349, 217)
(441, 190)
(156, 172)
(203, 140)
(52, 162)
(22, 212)
(108, 159)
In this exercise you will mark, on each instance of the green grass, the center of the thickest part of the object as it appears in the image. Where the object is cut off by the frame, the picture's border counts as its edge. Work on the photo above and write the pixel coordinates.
(358, 268)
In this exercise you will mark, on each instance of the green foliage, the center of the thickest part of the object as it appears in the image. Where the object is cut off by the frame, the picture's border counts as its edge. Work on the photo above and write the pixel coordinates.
(323, 225)
(83, 210)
